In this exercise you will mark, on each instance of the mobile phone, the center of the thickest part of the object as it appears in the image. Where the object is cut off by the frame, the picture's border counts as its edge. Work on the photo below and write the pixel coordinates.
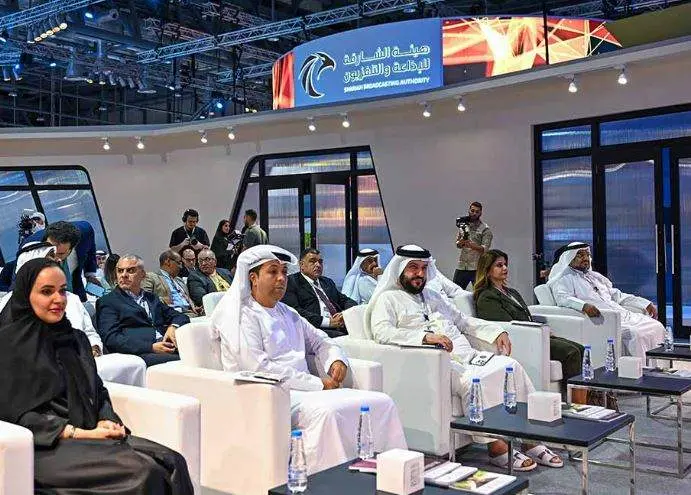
(94, 290)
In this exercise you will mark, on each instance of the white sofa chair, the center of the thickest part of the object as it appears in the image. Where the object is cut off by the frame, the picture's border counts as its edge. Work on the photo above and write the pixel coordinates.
(210, 300)
(424, 399)
(245, 427)
(574, 325)
(170, 419)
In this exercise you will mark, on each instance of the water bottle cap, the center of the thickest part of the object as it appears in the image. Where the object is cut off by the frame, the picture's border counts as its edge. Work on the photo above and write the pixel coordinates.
(364, 408)
(476, 380)
(296, 433)
(509, 368)
(610, 341)
(588, 347)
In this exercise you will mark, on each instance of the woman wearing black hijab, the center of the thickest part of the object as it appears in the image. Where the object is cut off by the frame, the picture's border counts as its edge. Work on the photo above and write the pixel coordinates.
(50, 386)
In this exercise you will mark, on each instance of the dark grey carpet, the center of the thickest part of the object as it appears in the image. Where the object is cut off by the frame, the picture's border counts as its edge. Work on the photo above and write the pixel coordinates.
(608, 481)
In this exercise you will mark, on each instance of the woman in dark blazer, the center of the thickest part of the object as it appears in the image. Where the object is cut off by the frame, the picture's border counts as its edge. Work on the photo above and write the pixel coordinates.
(496, 301)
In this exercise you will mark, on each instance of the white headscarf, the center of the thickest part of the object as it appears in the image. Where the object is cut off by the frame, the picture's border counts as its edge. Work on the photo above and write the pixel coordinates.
(389, 279)
(33, 250)
(568, 253)
(225, 319)
(351, 281)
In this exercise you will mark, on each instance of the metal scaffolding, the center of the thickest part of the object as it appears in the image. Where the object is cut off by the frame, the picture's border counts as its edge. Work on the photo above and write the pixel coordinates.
(280, 28)
(41, 12)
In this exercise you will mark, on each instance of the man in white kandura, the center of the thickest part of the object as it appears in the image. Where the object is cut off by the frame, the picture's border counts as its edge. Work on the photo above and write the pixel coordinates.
(574, 285)
(404, 311)
(118, 368)
(361, 280)
(259, 333)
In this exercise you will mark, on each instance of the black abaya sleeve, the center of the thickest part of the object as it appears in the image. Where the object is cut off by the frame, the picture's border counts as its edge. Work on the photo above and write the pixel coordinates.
(105, 411)
(46, 427)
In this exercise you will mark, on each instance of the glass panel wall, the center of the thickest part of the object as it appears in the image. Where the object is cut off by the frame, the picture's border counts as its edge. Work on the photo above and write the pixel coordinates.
(307, 164)
(373, 232)
(650, 128)
(566, 138)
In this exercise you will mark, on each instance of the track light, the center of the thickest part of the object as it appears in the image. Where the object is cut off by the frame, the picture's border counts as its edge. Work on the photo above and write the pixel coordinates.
(3, 36)
(311, 126)
(17, 75)
(106, 144)
(12, 93)
(63, 22)
(53, 21)
(140, 143)
(427, 112)
(219, 105)
(101, 79)
(345, 123)
(30, 36)
(6, 74)
(461, 106)
(48, 28)
(622, 79)
(231, 133)
(573, 87)
(204, 138)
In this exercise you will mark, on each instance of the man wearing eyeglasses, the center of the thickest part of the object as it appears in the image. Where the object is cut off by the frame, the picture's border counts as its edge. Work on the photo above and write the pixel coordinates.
(169, 287)
(208, 278)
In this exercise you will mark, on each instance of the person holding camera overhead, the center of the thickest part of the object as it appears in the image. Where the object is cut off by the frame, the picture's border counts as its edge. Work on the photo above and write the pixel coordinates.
(189, 234)
(474, 238)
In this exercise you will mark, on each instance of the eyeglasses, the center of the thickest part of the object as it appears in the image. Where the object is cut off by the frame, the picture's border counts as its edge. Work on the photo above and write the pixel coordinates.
(202, 260)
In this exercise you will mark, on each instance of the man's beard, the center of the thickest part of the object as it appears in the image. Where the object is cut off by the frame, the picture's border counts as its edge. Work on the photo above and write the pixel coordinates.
(408, 286)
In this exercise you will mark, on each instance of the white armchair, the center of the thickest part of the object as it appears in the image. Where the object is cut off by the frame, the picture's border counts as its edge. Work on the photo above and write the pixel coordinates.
(169, 419)
(574, 325)
(210, 300)
(245, 427)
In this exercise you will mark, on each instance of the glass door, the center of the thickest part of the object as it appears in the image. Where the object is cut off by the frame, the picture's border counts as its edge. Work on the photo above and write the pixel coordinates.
(680, 240)
(283, 205)
(630, 227)
(331, 225)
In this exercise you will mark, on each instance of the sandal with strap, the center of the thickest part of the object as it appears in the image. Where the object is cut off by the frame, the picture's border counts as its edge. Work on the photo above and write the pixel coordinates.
(540, 452)
(519, 458)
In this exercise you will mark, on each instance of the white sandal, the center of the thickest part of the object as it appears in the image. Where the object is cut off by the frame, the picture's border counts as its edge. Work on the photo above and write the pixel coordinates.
(538, 454)
(502, 461)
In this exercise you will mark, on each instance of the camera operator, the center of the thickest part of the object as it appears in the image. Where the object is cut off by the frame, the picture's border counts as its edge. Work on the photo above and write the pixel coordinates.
(474, 238)
(226, 245)
(189, 234)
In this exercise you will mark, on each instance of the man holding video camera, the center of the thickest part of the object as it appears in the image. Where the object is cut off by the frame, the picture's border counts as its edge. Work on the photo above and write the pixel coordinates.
(474, 238)
(189, 234)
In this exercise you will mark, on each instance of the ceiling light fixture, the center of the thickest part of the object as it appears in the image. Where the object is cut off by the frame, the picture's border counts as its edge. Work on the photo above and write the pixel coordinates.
(16, 73)
(461, 106)
(311, 126)
(12, 93)
(426, 113)
(345, 123)
(231, 133)
(6, 74)
(106, 144)
(63, 22)
(622, 79)
(573, 86)
(4, 36)
(140, 143)
(203, 138)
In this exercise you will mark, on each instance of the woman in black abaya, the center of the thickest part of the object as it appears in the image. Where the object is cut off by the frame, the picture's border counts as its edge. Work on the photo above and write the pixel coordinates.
(50, 386)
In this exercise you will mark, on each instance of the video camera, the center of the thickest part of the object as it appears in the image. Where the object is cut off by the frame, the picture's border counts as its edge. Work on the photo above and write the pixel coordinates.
(25, 227)
(463, 224)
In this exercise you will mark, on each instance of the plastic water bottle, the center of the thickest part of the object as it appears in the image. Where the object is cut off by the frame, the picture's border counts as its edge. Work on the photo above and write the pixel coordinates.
(510, 390)
(475, 410)
(587, 371)
(297, 465)
(611, 358)
(669, 339)
(365, 443)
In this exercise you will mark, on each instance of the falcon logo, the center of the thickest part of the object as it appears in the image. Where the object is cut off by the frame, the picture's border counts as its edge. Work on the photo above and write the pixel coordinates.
(311, 71)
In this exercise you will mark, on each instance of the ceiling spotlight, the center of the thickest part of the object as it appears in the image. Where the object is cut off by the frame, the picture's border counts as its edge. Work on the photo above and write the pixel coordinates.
(211, 112)
(17, 75)
(102, 107)
(89, 15)
(52, 64)
(311, 126)
(231, 133)
(202, 117)
(130, 82)
(461, 106)
(4, 36)
(53, 21)
(30, 36)
(426, 113)
(204, 138)
(106, 144)
(622, 79)
(140, 143)
(101, 79)
(573, 87)
(63, 22)
(36, 33)
(12, 93)
(6, 74)
(273, 39)
(345, 123)
(40, 118)
(48, 28)
(219, 104)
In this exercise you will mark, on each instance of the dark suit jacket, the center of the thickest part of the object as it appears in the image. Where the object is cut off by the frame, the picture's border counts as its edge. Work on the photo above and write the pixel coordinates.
(125, 327)
(494, 306)
(85, 251)
(301, 296)
(200, 284)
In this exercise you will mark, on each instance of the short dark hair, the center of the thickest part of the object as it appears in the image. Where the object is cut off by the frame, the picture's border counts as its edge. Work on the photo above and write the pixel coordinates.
(251, 213)
(308, 250)
(189, 213)
(476, 204)
(190, 249)
(63, 232)
(166, 255)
